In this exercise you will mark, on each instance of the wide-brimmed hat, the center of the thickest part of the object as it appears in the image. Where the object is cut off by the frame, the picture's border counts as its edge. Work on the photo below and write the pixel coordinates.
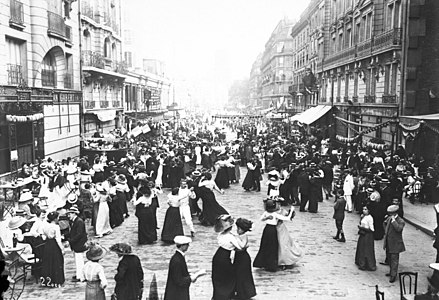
(244, 224)
(271, 205)
(121, 249)
(111, 163)
(100, 188)
(182, 240)
(26, 196)
(85, 172)
(223, 222)
(95, 252)
(74, 210)
(16, 222)
(43, 166)
(196, 173)
(71, 170)
(392, 208)
(72, 198)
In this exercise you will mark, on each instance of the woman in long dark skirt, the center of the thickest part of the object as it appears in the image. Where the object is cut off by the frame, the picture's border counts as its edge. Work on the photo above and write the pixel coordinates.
(211, 208)
(172, 225)
(122, 194)
(267, 256)
(245, 285)
(52, 270)
(365, 254)
(247, 184)
(378, 211)
(222, 176)
(176, 172)
(315, 193)
(223, 271)
(147, 230)
(115, 207)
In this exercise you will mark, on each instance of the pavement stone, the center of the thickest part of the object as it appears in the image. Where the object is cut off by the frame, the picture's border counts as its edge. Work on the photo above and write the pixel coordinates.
(327, 271)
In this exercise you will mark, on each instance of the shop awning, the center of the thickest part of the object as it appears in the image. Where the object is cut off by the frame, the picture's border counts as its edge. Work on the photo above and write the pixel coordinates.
(430, 117)
(312, 114)
(105, 115)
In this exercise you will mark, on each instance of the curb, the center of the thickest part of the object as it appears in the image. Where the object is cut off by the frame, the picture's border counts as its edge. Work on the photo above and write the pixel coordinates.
(420, 227)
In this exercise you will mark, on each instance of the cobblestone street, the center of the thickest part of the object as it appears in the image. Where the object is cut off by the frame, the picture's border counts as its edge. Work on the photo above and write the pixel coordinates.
(327, 271)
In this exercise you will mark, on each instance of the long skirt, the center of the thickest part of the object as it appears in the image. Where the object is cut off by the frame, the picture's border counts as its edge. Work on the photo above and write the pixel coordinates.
(237, 173)
(172, 225)
(223, 275)
(289, 252)
(267, 256)
(365, 254)
(222, 178)
(247, 184)
(147, 228)
(211, 208)
(116, 213)
(93, 291)
(52, 271)
(245, 285)
(103, 219)
(231, 174)
(94, 214)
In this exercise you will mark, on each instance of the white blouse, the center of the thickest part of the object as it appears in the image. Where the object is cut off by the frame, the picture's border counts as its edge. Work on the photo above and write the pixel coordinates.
(228, 241)
(367, 222)
(276, 217)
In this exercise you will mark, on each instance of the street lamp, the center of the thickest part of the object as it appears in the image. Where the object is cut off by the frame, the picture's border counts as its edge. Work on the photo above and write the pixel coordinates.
(393, 128)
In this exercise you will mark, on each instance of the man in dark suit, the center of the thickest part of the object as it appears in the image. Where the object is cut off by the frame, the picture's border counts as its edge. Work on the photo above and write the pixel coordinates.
(303, 180)
(179, 279)
(77, 241)
(129, 276)
(393, 243)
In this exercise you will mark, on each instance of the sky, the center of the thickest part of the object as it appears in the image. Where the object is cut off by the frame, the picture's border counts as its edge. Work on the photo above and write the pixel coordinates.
(206, 42)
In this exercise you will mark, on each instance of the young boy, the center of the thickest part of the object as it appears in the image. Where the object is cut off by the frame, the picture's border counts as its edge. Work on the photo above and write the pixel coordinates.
(339, 208)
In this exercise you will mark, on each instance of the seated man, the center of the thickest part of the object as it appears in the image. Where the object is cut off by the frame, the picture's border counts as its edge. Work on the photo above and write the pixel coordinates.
(433, 286)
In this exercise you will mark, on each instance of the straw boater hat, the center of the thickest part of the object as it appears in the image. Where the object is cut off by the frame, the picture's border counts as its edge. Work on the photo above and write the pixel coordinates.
(121, 179)
(196, 173)
(223, 222)
(121, 249)
(392, 208)
(182, 240)
(71, 170)
(85, 172)
(16, 222)
(74, 209)
(100, 188)
(95, 252)
(43, 166)
(72, 198)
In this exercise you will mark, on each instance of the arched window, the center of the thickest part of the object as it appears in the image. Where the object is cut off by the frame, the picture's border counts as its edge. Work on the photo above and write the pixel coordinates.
(48, 71)
(107, 48)
(87, 40)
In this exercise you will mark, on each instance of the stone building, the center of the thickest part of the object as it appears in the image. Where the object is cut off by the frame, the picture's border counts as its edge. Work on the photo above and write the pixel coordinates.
(103, 69)
(40, 88)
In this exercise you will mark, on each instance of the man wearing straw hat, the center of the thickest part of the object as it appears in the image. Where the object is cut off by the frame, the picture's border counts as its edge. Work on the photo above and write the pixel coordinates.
(77, 241)
(179, 279)
(393, 242)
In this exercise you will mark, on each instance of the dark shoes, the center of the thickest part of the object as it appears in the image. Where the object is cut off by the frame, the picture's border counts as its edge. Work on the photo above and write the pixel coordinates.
(75, 279)
(342, 240)
(388, 274)
(392, 279)
(192, 234)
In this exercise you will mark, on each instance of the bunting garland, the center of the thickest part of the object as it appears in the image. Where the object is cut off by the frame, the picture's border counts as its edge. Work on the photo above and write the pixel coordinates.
(347, 140)
(22, 119)
(376, 145)
(379, 126)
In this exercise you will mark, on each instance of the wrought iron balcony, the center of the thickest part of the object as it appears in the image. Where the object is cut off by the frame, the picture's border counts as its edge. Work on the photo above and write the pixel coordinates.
(15, 74)
(104, 104)
(345, 98)
(337, 99)
(89, 104)
(88, 11)
(68, 34)
(17, 13)
(341, 56)
(120, 67)
(92, 59)
(388, 39)
(68, 81)
(369, 99)
(48, 78)
(388, 98)
(116, 104)
(364, 48)
(355, 99)
(57, 25)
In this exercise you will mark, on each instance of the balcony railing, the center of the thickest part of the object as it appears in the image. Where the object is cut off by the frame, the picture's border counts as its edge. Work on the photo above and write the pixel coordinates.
(369, 99)
(92, 59)
(355, 99)
(89, 12)
(104, 104)
(337, 99)
(389, 98)
(89, 104)
(56, 24)
(341, 56)
(68, 33)
(17, 13)
(387, 39)
(48, 78)
(120, 67)
(68, 81)
(364, 48)
(15, 74)
(116, 104)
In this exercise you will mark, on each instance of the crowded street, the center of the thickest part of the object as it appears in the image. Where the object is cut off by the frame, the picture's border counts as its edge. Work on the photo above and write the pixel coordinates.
(327, 270)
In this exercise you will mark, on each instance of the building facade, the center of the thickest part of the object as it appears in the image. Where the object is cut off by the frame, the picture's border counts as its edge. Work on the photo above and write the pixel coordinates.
(255, 84)
(103, 69)
(276, 66)
(40, 88)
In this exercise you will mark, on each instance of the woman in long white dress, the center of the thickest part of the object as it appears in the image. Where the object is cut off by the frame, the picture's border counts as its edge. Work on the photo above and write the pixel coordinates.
(158, 180)
(288, 252)
(103, 218)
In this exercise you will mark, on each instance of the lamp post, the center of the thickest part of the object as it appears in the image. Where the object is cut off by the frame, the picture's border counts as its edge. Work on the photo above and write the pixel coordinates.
(393, 128)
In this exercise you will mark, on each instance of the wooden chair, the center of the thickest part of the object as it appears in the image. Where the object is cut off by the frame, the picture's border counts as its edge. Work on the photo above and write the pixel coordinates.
(16, 275)
(408, 291)
(379, 295)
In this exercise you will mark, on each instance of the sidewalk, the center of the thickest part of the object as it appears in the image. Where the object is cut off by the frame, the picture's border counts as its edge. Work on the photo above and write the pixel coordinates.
(422, 216)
